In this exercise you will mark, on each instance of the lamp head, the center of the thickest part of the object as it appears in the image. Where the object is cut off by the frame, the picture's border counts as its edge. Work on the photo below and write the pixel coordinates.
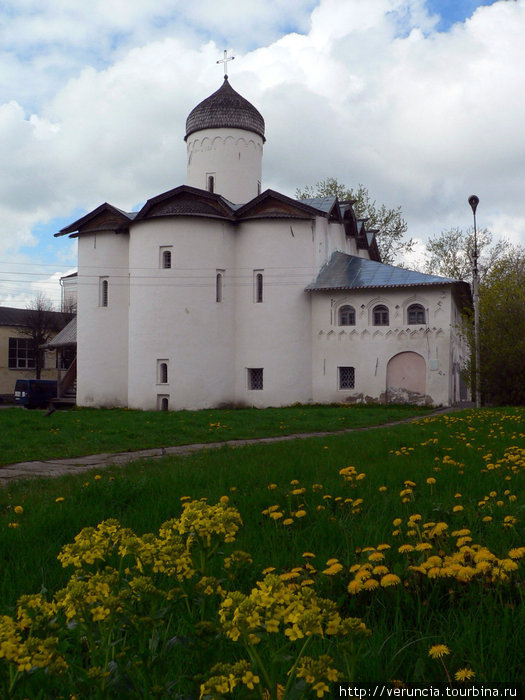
(473, 200)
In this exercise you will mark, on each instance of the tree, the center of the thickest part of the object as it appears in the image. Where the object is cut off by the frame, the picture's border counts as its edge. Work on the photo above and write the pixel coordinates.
(450, 253)
(42, 323)
(389, 224)
(502, 330)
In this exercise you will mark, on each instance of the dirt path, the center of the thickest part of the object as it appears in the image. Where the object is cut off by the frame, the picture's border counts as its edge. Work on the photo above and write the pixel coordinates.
(76, 465)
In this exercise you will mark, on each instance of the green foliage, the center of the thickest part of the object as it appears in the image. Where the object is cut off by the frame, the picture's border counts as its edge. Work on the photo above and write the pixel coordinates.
(417, 533)
(389, 224)
(32, 435)
(450, 254)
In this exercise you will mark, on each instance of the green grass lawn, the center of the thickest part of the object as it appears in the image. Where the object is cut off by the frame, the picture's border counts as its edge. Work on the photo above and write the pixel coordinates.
(446, 490)
(30, 435)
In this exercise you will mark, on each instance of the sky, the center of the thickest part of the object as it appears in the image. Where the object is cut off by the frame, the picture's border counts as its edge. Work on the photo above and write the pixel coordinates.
(422, 101)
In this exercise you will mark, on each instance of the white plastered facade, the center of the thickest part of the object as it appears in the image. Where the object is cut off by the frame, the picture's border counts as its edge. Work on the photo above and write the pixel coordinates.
(229, 321)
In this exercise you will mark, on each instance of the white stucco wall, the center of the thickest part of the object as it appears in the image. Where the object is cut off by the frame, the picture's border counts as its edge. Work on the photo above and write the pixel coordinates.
(174, 315)
(369, 348)
(102, 331)
(232, 156)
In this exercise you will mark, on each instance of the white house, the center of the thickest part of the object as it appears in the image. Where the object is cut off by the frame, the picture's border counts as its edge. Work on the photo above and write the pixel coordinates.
(217, 292)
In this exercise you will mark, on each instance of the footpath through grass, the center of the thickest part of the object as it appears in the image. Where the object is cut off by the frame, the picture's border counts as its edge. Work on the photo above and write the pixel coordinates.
(31, 435)
(414, 533)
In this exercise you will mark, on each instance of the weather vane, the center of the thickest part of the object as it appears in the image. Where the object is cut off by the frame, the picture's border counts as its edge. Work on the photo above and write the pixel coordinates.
(225, 61)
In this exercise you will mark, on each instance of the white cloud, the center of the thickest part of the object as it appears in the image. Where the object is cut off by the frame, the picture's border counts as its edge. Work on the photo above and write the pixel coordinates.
(96, 98)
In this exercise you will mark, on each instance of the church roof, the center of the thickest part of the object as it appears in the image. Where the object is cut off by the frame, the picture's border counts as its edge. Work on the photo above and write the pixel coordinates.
(225, 108)
(344, 271)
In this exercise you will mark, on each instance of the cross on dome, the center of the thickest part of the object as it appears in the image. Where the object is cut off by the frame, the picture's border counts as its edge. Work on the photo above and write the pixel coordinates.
(225, 61)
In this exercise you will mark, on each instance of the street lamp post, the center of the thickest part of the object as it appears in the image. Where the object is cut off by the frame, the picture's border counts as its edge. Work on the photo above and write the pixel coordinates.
(474, 201)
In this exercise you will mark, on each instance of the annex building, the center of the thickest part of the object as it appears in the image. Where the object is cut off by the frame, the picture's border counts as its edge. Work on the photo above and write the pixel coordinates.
(218, 292)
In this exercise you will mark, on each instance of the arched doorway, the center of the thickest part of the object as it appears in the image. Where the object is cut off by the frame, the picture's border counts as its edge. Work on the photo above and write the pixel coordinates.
(406, 378)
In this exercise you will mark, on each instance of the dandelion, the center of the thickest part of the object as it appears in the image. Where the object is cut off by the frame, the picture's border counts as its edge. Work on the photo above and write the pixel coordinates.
(438, 651)
(300, 514)
(97, 477)
(464, 674)
(390, 580)
(382, 489)
(59, 499)
(308, 555)
(18, 510)
(288, 521)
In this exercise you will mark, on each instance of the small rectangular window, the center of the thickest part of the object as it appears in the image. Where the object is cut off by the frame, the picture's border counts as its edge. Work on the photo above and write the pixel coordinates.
(162, 372)
(346, 377)
(219, 275)
(258, 286)
(255, 378)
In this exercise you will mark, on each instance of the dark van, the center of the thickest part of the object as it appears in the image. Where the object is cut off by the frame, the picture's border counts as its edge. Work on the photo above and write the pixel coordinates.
(34, 393)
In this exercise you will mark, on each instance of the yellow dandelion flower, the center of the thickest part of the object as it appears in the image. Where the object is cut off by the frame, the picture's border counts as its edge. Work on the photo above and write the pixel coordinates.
(288, 521)
(464, 674)
(380, 570)
(405, 549)
(487, 519)
(423, 547)
(431, 480)
(438, 651)
(382, 489)
(397, 522)
(300, 514)
(18, 510)
(376, 556)
(276, 515)
(271, 487)
(457, 509)
(59, 499)
(390, 580)
(354, 587)
(382, 547)
(308, 555)
(333, 569)
(371, 584)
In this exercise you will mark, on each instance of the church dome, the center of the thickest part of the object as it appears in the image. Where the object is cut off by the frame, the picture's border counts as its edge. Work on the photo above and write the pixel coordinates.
(225, 108)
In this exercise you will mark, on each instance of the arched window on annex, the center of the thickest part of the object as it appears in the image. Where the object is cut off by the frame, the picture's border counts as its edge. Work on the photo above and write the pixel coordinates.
(416, 315)
(346, 315)
(380, 315)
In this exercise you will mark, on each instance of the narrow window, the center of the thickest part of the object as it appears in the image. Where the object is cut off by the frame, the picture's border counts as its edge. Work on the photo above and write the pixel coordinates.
(210, 183)
(218, 286)
(163, 402)
(380, 315)
(416, 314)
(258, 283)
(166, 259)
(347, 316)
(163, 373)
(346, 377)
(258, 187)
(104, 291)
(255, 378)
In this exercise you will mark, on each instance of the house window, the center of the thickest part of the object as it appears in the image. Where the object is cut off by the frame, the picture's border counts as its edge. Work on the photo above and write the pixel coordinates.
(255, 378)
(380, 315)
(258, 283)
(166, 259)
(162, 371)
(104, 291)
(218, 286)
(21, 355)
(346, 377)
(347, 316)
(210, 183)
(163, 402)
(416, 314)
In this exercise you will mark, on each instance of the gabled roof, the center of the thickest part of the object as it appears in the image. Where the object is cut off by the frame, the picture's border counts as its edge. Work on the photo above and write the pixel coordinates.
(344, 271)
(10, 316)
(103, 218)
(225, 108)
(67, 336)
(187, 201)
(328, 205)
(272, 204)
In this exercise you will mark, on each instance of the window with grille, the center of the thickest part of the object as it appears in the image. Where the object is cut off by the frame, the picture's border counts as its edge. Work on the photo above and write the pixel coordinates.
(166, 259)
(104, 291)
(346, 377)
(21, 354)
(162, 372)
(347, 316)
(416, 314)
(210, 183)
(380, 315)
(258, 284)
(255, 378)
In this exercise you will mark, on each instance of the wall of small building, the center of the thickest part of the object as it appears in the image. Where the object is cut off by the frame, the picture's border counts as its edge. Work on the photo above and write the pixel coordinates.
(233, 157)
(369, 349)
(9, 376)
(175, 318)
(102, 331)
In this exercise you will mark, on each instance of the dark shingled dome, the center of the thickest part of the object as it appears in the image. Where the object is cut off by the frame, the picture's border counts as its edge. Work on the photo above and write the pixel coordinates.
(225, 108)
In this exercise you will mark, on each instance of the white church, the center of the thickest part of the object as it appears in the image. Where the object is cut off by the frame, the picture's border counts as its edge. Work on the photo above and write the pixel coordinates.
(221, 293)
